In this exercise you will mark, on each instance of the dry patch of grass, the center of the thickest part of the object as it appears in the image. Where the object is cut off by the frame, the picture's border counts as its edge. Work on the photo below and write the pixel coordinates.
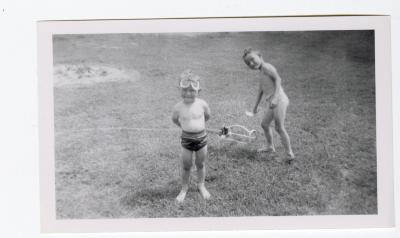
(78, 75)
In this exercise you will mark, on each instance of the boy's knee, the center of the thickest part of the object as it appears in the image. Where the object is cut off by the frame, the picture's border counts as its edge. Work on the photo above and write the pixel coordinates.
(187, 165)
(199, 165)
(265, 125)
(278, 129)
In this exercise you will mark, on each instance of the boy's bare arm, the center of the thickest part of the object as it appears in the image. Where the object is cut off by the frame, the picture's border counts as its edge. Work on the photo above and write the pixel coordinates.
(207, 111)
(175, 116)
(259, 96)
(271, 71)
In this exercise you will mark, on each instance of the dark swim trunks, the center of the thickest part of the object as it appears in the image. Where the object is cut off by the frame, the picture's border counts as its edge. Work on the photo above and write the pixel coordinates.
(194, 141)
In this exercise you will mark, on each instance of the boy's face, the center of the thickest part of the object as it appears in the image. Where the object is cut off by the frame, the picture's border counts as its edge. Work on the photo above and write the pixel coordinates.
(253, 60)
(189, 94)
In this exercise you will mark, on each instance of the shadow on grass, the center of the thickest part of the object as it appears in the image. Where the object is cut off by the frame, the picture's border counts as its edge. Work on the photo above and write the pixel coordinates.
(233, 151)
(243, 154)
(150, 196)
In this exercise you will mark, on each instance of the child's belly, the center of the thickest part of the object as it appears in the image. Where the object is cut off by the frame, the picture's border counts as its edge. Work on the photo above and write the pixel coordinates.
(194, 125)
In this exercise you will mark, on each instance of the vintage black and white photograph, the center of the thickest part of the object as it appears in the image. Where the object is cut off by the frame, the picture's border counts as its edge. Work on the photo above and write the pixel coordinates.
(214, 124)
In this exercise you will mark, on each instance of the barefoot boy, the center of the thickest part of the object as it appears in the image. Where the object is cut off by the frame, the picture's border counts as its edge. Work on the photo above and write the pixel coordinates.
(190, 114)
(270, 85)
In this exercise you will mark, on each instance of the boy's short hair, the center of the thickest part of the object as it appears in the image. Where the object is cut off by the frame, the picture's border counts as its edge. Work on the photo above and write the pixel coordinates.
(250, 50)
(190, 77)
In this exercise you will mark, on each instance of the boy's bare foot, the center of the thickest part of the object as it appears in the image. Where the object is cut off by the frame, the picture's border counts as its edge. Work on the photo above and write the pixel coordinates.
(266, 150)
(290, 158)
(203, 191)
(181, 196)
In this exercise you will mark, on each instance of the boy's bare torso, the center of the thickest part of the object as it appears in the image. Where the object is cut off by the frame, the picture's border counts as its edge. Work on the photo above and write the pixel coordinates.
(266, 82)
(191, 116)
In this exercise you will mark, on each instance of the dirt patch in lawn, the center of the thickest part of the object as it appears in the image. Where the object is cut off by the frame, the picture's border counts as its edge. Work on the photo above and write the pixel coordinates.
(76, 75)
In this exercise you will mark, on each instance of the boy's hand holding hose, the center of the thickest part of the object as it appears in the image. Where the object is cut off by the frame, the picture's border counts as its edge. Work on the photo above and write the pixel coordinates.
(251, 114)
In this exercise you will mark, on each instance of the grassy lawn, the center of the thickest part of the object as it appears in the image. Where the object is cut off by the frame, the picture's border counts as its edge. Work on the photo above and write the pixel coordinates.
(117, 150)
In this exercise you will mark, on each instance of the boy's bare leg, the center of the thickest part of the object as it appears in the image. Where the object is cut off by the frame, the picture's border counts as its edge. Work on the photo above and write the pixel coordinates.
(265, 124)
(201, 157)
(186, 166)
(280, 115)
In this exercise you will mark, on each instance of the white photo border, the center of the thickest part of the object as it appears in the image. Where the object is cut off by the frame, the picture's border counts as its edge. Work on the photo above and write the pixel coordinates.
(384, 133)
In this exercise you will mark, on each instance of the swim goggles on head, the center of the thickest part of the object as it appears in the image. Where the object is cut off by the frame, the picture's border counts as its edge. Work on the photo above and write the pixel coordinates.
(185, 83)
